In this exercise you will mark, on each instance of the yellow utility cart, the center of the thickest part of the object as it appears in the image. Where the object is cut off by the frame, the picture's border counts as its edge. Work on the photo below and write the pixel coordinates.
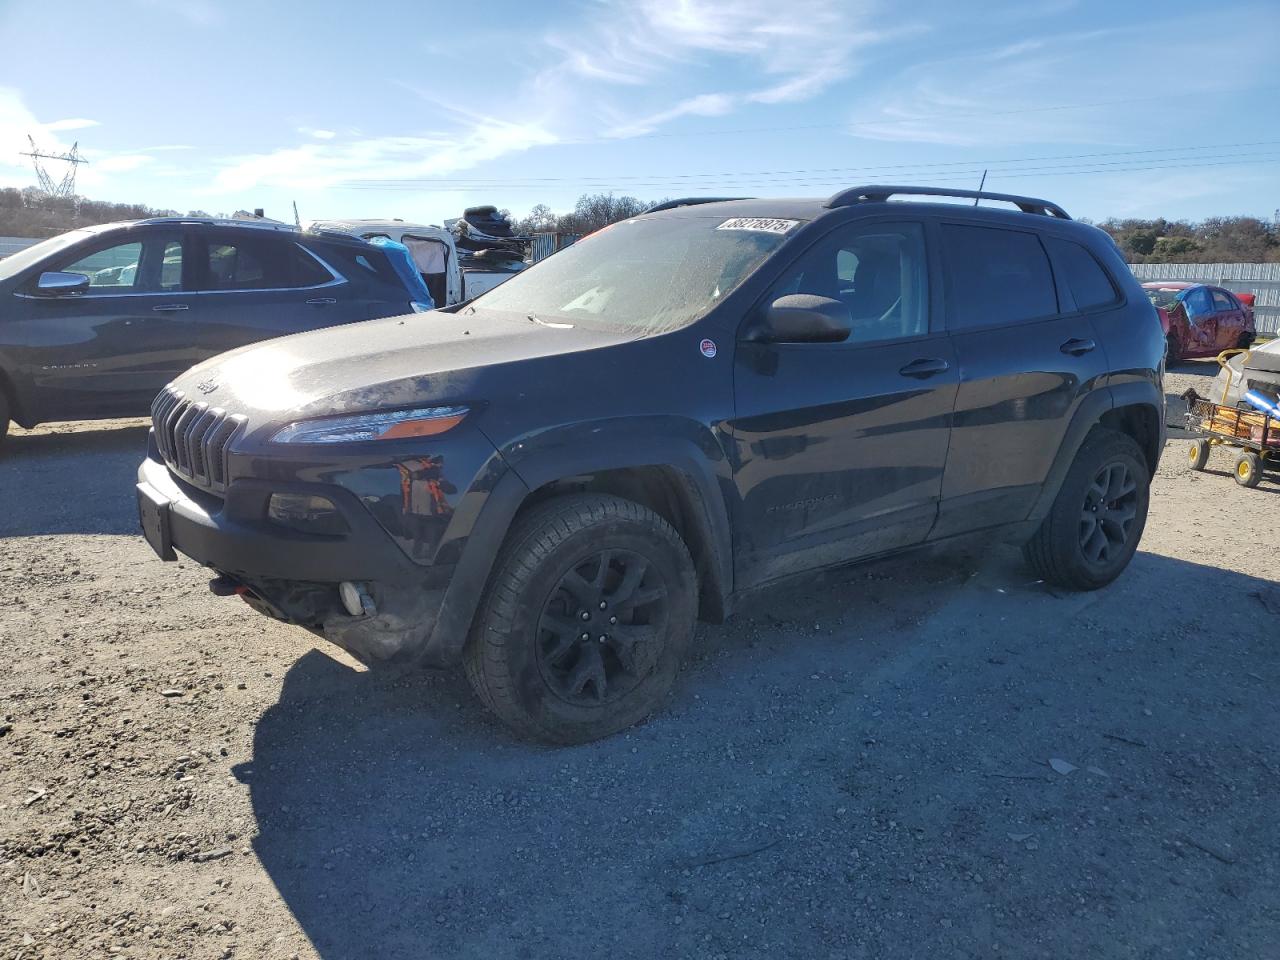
(1254, 434)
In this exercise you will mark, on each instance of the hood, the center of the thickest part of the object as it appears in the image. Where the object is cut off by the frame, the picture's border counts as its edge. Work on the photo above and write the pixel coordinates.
(431, 357)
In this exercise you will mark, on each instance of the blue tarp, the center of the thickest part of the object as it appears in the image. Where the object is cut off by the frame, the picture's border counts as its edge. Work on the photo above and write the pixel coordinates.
(402, 260)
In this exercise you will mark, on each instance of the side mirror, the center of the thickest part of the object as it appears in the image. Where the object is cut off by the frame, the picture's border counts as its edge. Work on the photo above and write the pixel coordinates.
(55, 284)
(803, 318)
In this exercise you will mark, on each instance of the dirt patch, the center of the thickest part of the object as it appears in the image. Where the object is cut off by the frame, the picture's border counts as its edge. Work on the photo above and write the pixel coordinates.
(933, 756)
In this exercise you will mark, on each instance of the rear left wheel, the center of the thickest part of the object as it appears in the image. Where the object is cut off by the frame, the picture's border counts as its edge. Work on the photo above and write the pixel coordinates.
(586, 619)
(1094, 525)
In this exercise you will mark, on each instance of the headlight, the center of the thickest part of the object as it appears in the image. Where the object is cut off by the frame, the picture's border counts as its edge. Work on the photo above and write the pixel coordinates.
(393, 425)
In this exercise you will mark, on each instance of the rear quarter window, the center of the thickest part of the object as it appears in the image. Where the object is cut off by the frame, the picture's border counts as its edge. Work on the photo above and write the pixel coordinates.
(365, 265)
(1080, 272)
(996, 276)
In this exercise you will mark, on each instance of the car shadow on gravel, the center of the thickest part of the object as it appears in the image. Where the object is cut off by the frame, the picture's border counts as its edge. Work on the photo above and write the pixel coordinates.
(871, 783)
(72, 482)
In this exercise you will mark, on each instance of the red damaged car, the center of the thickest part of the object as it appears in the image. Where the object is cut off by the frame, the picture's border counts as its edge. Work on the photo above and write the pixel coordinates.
(1200, 320)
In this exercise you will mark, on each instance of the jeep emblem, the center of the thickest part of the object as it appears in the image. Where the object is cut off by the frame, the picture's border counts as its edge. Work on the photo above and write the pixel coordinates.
(207, 386)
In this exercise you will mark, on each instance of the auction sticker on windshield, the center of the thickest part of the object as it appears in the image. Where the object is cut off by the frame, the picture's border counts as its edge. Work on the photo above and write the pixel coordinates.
(759, 224)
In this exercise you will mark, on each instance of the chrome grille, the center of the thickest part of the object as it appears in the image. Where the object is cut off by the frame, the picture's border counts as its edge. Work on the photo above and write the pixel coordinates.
(193, 437)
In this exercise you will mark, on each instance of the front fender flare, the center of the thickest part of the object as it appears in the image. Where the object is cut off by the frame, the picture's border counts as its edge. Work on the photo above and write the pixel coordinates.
(561, 460)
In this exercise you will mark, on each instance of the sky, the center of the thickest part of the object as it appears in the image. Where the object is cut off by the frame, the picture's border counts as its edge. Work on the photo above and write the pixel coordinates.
(418, 108)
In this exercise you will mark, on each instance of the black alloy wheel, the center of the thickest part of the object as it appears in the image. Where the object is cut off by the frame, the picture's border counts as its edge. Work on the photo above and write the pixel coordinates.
(1110, 507)
(600, 631)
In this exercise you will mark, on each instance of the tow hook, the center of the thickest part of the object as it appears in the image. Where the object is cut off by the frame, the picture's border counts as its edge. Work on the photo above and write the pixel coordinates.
(356, 600)
(224, 586)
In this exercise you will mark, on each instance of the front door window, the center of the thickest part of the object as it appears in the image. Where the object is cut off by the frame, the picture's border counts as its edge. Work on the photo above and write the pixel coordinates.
(112, 270)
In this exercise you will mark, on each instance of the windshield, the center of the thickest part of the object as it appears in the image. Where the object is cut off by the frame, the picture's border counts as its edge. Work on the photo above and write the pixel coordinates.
(12, 265)
(1164, 297)
(643, 276)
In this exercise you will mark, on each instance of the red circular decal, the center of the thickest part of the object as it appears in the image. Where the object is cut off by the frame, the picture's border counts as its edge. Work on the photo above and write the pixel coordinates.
(708, 348)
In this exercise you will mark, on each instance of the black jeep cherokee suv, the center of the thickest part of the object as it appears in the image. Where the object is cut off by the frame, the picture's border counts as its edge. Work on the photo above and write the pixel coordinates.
(552, 482)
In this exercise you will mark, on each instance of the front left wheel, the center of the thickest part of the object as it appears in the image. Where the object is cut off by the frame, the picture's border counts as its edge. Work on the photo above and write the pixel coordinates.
(1198, 454)
(1094, 525)
(586, 619)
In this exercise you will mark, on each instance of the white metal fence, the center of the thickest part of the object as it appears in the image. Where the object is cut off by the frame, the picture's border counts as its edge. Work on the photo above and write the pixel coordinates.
(1260, 279)
(545, 244)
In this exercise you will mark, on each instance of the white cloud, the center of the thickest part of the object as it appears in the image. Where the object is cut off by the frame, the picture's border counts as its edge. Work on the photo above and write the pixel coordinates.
(801, 47)
(77, 123)
(703, 105)
(316, 133)
(322, 165)
(17, 122)
(1081, 87)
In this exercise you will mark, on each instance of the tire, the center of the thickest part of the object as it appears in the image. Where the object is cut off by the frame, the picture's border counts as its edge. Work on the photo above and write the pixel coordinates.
(1065, 550)
(580, 562)
(1248, 469)
(1198, 454)
(1245, 341)
(1172, 349)
(4, 413)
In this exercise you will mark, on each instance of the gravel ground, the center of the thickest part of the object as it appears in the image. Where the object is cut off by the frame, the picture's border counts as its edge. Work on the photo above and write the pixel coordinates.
(926, 757)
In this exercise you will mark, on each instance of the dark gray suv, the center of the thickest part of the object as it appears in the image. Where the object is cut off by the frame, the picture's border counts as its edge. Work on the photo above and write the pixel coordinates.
(549, 484)
(93, 323)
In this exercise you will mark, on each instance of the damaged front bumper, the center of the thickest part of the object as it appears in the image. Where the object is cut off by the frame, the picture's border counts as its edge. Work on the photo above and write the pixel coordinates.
(296, 577)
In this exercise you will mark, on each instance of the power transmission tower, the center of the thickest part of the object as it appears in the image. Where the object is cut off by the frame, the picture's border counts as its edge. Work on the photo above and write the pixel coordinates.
(64, 189)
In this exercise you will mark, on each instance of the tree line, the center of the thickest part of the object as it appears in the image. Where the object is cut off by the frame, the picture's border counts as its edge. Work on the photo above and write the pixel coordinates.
(590, 213)
(27, 213)
(1213, 240)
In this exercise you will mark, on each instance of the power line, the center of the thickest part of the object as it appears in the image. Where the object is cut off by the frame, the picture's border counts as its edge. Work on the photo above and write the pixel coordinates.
(948, 176)
(900, 120)
(727, 175)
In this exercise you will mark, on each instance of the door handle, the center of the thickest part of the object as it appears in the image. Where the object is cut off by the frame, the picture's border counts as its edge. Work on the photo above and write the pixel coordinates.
(322, 301)
(170, 307)
(1077, 348)
(920, 369)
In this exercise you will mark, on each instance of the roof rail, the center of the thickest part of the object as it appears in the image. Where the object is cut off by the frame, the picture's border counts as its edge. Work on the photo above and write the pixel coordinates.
(225, 222)
(879, 194)
(689, 202)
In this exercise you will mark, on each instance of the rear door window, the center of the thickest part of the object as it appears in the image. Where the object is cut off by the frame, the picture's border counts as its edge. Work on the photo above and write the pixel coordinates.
(242, 263)
(1222, 301)
(1081, 273)
(996, 276)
